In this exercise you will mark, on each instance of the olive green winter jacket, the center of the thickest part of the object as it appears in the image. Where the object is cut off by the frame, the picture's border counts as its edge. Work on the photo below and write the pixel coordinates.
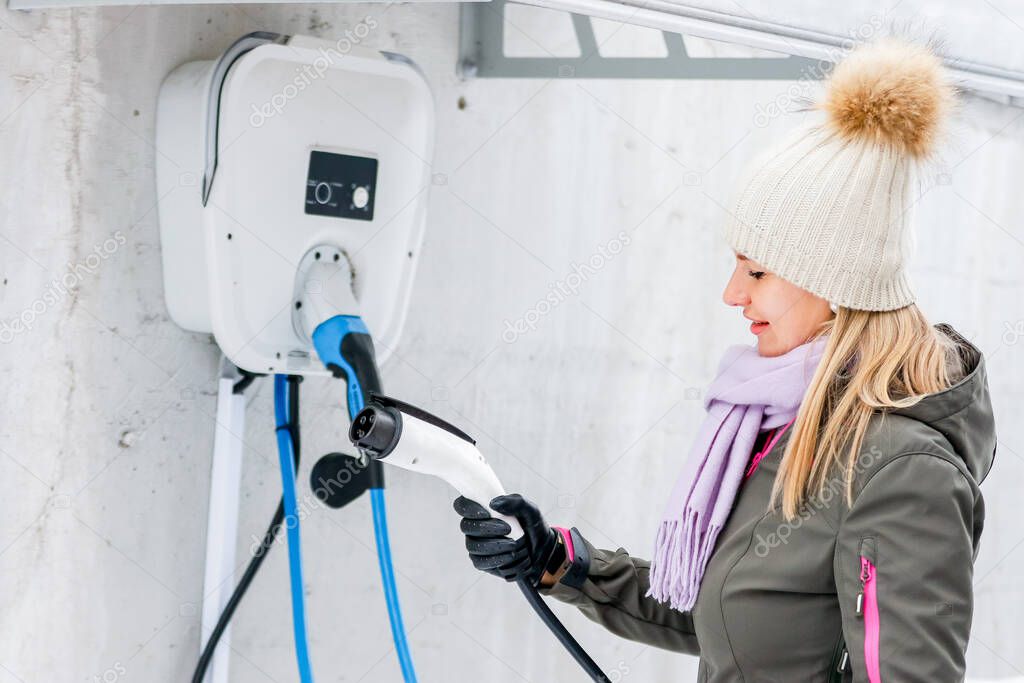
(877, 591)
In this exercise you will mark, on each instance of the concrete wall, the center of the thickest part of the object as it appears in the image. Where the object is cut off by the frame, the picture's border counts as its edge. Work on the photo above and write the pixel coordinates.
(107, 409)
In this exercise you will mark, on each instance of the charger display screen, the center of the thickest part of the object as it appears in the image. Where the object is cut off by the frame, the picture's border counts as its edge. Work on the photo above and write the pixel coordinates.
(341, 185)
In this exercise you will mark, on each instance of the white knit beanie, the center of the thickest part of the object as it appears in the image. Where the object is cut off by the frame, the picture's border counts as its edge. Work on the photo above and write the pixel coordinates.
(829, 207)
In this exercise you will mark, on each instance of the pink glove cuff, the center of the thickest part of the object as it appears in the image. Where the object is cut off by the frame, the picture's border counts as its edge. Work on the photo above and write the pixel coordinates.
(567, 540)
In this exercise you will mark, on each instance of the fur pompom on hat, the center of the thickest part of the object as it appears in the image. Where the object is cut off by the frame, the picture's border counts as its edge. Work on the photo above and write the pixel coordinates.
(828, 208)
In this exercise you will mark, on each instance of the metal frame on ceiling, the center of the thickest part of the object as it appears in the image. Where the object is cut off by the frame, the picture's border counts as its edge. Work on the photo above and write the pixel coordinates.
(481, 55)
(810, 53)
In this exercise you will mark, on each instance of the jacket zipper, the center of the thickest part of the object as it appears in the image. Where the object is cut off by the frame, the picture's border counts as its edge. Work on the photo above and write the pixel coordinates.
(760, 454)
(840, 657)
(775, 435)
(867, 607)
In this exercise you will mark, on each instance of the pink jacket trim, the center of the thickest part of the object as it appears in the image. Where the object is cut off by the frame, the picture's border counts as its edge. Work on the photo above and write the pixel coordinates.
(567, 539)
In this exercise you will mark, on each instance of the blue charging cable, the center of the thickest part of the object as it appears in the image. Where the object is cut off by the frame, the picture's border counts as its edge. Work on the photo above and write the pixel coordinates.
(285, 450)
(387, 574)
(344, 345)
(338, 354)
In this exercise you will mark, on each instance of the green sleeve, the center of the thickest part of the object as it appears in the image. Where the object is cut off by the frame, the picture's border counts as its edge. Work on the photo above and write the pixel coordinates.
(609, 588)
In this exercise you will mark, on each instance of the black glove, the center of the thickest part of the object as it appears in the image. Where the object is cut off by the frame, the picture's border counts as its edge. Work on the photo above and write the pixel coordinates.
(490, 548)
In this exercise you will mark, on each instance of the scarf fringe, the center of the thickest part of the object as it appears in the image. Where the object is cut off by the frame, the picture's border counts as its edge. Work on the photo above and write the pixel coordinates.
(749, 391)
(673, 579)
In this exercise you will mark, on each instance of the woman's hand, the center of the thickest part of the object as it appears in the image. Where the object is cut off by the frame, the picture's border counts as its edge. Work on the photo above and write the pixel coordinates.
(490, 548)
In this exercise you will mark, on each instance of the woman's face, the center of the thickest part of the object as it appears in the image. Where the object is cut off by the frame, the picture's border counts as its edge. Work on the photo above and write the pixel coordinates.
(782, 315)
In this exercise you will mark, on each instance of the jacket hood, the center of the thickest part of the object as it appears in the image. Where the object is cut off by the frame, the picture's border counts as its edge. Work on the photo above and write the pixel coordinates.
(963, 412)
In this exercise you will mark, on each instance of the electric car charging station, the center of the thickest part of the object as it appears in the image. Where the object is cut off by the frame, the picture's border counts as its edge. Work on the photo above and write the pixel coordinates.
(298, 251)
(249, 135)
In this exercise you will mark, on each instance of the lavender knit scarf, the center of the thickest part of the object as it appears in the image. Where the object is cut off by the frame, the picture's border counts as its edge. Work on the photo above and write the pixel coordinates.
(751, 392)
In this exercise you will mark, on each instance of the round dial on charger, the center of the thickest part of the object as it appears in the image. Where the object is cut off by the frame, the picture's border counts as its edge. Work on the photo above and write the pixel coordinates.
(360, 197)
(322, 193)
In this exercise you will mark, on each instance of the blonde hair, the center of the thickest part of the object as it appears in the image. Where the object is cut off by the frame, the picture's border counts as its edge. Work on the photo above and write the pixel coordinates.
(873, 361)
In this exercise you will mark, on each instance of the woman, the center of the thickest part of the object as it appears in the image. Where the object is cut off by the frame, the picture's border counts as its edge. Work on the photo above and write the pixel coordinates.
(826, 521)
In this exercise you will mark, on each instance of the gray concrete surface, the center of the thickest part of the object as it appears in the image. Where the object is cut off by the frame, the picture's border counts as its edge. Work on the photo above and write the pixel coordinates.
(106, 418)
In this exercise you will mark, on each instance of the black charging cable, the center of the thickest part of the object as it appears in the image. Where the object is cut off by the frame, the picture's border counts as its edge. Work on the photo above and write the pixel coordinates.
(563, 635)
(248, 378)
(268, 538)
